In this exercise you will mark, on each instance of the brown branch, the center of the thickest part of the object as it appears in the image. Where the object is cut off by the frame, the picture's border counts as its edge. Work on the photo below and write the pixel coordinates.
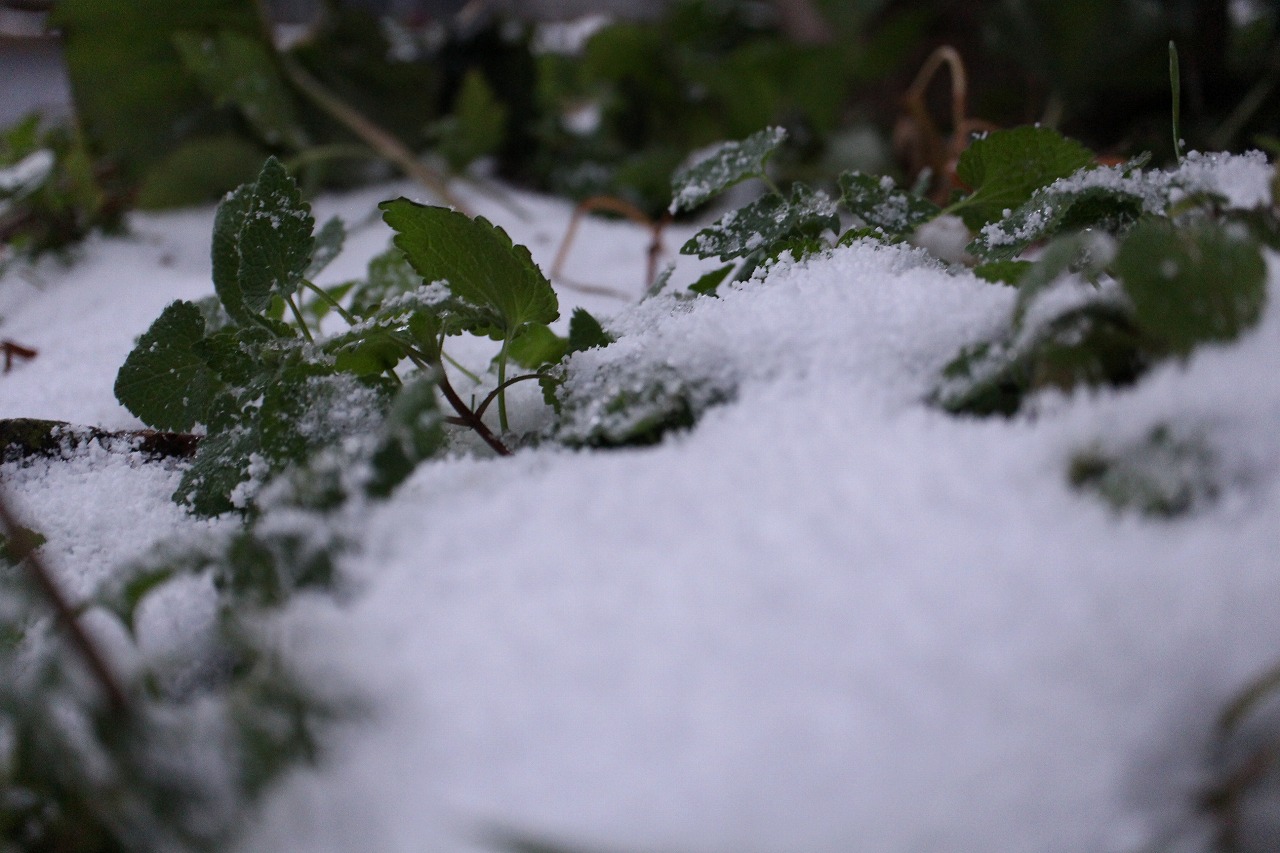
(25, 553)
(622, 207)
(468, 417)
(24, 437)
(13, 350)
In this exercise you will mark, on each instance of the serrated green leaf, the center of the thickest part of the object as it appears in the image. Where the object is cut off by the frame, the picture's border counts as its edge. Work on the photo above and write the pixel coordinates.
(227, 222)
(767, 221)
(497, 281)
(275, 239)
(537, 346)
(238, 69)
(709, 282)
(715, 170)
(328, 245)
(372, 352)
(1191, 285)
(1051, 212)
(1002, 272)
(586, 332)
(882, 205)
(1005, 167)
(477, 126)
(390, 274)
(219, 466)
(412, 432)
(199, 171)
(165, 382)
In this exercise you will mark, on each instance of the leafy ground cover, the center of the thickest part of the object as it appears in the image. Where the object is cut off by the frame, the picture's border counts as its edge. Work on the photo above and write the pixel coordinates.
(819, 603)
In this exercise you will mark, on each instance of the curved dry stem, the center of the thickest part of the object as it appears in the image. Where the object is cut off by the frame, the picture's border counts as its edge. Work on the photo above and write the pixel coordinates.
(383, 142)
(26, 554)
(622, 207)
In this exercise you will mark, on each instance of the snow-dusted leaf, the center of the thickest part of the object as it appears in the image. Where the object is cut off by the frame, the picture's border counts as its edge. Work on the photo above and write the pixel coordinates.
(1005, 167)
(715, 169)
(411, 433)
(328, 245)
(165, 381)
(536, 346)
(765, 222)
(1188, 285)
(479, 265)
(1067, 205)
(275, 239)
(709, 282)
(227, 222)
(884, 206)
(586, 332)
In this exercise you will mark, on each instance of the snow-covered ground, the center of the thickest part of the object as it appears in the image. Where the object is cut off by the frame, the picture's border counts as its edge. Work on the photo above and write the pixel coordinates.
(829, 618)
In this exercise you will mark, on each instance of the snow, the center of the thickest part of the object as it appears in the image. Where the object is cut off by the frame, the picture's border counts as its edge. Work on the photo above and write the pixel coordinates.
(828, 618)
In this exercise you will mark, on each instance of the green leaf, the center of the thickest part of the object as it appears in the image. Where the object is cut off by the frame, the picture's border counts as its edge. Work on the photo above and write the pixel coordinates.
(133, 95)
(765, 222)
(721, 166)
(882, 205)
(1006, 166)
(1002, 272)
(227, 222)
(199, 171)
(1189, 285)
(328, 245)
(165, 381)
(371, 351)
(412, 432)
(1164, 475)
(497, 281)
(219, 466)
(537, 346)
(390, 274)
(585, 332)
(275, 240)
(708, 283)
(478, 125)
(1053, 211)
(238, 69)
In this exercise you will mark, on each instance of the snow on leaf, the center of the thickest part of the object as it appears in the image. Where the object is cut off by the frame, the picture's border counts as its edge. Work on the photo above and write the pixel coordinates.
(165, 381)
(766, 222)
(477, 262)
(716, 169)
(1005, 167)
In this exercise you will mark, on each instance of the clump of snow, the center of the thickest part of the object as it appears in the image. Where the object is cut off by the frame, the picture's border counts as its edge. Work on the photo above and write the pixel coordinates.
(828, 618)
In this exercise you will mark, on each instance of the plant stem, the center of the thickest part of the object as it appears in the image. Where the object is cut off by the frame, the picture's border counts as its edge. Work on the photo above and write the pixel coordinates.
(493, 395)
(331, 302)
(471, 418)
(383, 142)
(458, 364)
(502, 387)
(26, 555)
(1175, 84)
(297, 315)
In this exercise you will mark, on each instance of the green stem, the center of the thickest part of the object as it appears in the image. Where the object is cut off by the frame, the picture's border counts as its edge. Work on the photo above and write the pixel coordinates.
(768, 182)
(467, 373)
(502, 387)
(332, 303)
(493, 395)
(1175, 83)
(297, 315)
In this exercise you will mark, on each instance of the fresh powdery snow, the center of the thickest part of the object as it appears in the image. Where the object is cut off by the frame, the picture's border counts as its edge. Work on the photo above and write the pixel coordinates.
(829, 618)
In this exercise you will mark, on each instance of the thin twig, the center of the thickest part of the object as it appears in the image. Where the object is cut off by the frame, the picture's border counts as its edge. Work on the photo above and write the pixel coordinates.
(469, 417)
(26, 554)
(623, 208)
(383, 142)
(493, 395)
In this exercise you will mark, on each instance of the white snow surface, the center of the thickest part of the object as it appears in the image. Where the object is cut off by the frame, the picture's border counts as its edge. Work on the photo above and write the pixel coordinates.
(829, 618)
